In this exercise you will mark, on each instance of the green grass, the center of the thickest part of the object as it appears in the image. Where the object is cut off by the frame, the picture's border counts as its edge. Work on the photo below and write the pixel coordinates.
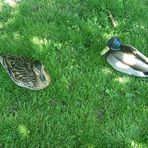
(88, 104)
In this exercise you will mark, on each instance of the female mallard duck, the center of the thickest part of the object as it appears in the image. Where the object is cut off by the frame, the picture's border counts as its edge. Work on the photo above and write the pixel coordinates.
(126, 58)
(26, 72)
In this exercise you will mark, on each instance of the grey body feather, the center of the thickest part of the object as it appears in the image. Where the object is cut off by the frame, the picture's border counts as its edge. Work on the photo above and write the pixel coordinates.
(128, 60)
(120, 66)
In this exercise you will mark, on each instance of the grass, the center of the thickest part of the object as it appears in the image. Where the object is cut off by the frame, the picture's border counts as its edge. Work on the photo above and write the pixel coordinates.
(88, 104)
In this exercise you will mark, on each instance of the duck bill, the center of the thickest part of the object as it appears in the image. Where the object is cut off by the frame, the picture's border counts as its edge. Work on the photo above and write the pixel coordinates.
(104, 51)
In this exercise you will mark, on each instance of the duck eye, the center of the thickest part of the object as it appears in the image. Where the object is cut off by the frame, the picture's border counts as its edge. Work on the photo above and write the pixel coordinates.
(42, 77)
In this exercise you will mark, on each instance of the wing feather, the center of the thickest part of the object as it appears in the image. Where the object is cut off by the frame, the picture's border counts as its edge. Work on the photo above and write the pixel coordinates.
(120, 66)
(20, 69)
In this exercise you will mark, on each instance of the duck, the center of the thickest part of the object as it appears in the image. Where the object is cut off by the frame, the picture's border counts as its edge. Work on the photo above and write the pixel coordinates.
(125, 58)
(26, 72)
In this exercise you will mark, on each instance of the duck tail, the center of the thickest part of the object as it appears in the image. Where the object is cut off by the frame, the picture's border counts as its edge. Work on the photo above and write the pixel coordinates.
(146, 73)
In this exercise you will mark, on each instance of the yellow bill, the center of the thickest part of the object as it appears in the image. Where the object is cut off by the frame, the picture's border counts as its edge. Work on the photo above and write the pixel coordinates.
(106, 49)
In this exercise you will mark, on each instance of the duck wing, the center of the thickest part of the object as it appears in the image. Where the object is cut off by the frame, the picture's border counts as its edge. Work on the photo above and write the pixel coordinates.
(20, 69)
(134, 51)
(130, 59)
(122, 67)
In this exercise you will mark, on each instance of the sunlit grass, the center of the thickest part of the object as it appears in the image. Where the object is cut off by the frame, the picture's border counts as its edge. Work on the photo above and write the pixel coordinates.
(23, 131)
(137, 145)
(88, 103)
(12, 2)
(122, 80)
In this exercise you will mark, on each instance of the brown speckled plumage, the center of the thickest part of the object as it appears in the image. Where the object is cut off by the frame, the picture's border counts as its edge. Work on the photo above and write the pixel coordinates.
(23, 72)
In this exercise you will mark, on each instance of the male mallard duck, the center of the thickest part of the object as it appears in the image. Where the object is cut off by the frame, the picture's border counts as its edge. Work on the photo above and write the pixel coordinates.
(126, 58)
(25, 72)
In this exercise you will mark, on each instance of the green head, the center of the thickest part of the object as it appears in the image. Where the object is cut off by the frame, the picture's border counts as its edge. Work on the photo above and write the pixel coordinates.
(114, 43)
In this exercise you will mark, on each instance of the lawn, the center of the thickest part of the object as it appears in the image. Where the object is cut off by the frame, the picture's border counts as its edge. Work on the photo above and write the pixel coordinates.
(88, 104)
